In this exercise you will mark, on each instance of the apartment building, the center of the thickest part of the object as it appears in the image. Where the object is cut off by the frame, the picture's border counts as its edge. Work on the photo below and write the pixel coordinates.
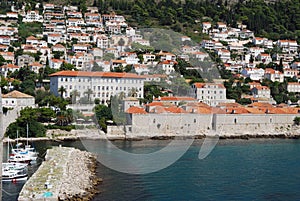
(102, 84)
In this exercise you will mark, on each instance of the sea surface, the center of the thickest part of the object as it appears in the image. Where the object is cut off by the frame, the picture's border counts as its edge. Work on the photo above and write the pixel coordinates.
(264, 169)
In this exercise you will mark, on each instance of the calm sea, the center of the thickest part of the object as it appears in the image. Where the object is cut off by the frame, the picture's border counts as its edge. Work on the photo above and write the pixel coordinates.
(235, 170)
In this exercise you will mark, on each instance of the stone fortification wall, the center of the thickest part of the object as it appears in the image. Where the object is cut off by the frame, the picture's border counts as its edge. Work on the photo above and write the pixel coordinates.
(10, 117)
(196, 124)
(173, 124)
(251, 123)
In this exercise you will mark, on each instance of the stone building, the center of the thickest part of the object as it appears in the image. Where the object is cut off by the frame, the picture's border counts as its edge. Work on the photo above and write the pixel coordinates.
(100, 85)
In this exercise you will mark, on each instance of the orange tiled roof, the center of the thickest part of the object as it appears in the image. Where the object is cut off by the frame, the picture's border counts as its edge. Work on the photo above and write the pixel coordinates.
(96, 74)
(16, 94)
(10, 66)
(136, 110)
(174, 98)
(259, 104)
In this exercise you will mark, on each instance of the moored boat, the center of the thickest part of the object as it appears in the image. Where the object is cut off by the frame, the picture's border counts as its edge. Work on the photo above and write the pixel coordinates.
(14, 172)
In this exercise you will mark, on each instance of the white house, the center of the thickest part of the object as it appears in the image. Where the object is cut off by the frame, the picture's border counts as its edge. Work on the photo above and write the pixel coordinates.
(274, 75)
(102, 41)
(5, 69)
(35, 67)
(290, 72)
(205, 27)
(16, 99)
(5, 40)
(261, 92)
(253, 73)
(56, 63)
(148, 58)
(209, 93)
(81, 60)
(55, 38)
(167, 66)
(33, 16)
(224, 54)
(293, 87)
(81, 47)
(265, 58)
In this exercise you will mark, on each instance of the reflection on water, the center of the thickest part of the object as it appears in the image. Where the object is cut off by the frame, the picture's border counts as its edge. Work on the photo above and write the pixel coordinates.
(235, 170)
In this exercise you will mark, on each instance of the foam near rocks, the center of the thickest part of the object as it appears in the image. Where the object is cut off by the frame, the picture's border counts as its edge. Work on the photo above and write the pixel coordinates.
(66, 174)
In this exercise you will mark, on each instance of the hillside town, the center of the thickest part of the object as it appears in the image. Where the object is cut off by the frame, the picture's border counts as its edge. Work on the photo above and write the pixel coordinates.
(90, 57)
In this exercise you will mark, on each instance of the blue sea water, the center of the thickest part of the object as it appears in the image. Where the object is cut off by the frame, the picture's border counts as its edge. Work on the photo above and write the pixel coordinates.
(265, 169)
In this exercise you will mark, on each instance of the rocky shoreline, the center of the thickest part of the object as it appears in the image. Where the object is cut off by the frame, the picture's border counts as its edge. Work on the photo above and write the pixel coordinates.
(66, 174)
(95, 134)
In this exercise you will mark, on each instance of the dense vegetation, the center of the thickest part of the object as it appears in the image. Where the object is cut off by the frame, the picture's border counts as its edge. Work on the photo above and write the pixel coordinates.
(275, 20)
(280, 19)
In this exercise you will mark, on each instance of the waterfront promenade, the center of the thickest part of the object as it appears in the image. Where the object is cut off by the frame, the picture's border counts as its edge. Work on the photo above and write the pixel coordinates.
(66, 174)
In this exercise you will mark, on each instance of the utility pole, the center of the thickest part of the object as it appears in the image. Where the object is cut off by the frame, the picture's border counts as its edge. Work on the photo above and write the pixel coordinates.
(1, 142)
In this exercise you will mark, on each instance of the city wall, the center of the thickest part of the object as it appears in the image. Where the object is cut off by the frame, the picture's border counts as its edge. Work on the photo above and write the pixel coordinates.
(199, 124)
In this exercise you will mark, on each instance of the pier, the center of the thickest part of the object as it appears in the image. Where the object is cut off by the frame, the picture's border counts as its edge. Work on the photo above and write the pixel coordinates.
(66, 174)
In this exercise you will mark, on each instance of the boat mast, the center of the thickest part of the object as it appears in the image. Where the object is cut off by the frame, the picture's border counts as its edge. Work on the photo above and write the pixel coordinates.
(27, 133)
(7, 148)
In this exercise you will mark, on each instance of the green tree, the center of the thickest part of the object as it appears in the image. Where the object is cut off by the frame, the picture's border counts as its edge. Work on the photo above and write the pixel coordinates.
(62, 90)
(108, 56)
(67, 66)
(89, 92)
(74, 94)
(2, 60)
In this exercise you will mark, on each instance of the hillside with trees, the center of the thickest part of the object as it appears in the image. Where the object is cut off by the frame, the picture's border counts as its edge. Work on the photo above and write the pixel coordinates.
(274, 20)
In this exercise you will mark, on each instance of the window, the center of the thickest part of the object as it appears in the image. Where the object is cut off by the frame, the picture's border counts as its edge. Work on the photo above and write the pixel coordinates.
(235, 121)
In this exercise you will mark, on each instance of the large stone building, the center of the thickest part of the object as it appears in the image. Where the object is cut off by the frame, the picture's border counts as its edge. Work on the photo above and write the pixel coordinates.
(101, 85)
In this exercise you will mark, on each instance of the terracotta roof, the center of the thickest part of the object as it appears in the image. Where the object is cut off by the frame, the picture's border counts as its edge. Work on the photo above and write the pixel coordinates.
(259, 104)
(36, 64)
(136, 110)
(174, 98)
(10, 66)
(31, 38)
(254, 110)
(202, 85)
(261, 87)
(96, 74)
(169, 62)
(16, 94)
(237, 110)
(175, 110)
(229, 105)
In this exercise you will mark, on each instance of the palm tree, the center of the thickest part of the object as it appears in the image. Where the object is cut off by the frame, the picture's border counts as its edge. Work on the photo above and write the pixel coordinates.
(89, 92)
(133, 92)
(122, 95)
(62, 90)
(121, 43)
(74, 95)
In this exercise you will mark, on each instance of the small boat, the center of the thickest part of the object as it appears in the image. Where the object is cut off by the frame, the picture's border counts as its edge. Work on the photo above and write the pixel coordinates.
(14, 172)
(23, 155)
(19, 158)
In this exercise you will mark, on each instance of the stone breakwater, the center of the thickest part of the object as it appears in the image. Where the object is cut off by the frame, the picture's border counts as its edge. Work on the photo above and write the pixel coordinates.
(66, 174)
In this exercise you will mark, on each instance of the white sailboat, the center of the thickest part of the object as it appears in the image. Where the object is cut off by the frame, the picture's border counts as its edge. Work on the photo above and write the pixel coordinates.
(14, 171)
(27, 154)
